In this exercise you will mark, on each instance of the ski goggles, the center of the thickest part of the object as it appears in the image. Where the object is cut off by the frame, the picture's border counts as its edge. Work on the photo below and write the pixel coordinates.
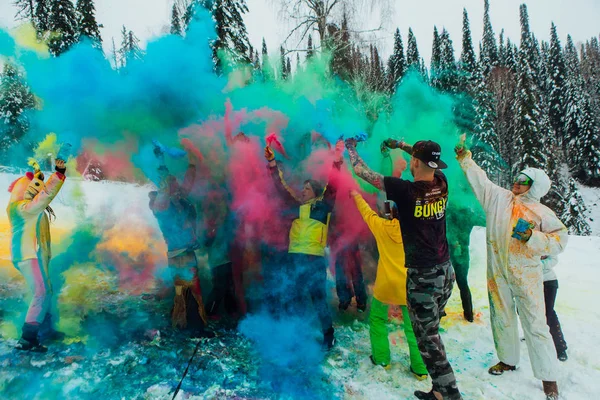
(523, 180)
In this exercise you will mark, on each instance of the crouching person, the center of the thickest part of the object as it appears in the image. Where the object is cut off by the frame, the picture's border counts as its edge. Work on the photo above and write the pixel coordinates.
(29, 215)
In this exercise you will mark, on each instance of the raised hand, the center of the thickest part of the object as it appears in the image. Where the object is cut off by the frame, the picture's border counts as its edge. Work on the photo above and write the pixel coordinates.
(461, 148)
(269, 154)
(60, 166)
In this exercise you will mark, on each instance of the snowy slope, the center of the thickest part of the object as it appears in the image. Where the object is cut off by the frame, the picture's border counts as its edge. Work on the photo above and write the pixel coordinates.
(122, 364)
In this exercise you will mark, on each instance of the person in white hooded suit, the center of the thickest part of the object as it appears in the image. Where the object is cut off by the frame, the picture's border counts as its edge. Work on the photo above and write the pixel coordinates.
(514, 267)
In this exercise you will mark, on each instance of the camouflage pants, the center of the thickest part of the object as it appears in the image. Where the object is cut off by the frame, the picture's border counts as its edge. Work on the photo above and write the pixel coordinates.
(428, 291)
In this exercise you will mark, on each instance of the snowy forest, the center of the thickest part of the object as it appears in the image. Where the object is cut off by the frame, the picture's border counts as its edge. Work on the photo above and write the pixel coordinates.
(532, 103)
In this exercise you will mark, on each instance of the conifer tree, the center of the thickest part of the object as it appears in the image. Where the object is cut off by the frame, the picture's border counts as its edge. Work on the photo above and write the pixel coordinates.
(267, 70)
(42, 16)
(468, 61)
(557, 77)
(396, 63)
(489, 53)
(341, 47)
(283, 65)
(413, 59)
(63, 24)
(232, 36)
(130, 48)
(87, 24)
(574, 215)
(582, 142)
(15, 99)
(436, 54)
(527, 112)
(288, 64)
(501, 49)
(175, 21)
(256, 61)
(309, 48)
(447, 76)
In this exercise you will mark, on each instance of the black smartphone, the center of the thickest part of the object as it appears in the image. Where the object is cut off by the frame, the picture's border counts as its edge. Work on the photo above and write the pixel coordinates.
(387, 207)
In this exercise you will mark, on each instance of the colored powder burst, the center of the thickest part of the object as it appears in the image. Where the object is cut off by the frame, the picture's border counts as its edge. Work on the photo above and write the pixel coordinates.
(26, 37)
(85, 285)
(173, 96)
(289, 356)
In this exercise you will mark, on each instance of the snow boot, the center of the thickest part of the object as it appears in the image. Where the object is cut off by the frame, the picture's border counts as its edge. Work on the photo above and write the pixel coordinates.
(467, 304)
(387, 367)
(47, 331)
(551, 390)
(29, 339)
(562, 355)
(419, 394)
(343, 306)
(500, 368)
(420, 377)
(361, 308)
(328, 339)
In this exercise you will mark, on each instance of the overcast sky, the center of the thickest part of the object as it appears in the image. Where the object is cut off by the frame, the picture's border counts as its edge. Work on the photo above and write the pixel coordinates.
(151, 18)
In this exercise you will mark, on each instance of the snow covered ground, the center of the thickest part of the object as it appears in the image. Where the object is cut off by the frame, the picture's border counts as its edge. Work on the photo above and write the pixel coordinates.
(129, 351)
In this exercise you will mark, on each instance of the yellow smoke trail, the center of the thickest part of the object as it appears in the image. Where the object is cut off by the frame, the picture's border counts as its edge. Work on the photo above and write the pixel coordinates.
(26, 37)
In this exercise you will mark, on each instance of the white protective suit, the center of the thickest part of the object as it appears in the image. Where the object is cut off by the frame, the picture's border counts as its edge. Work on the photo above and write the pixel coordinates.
(514, 268)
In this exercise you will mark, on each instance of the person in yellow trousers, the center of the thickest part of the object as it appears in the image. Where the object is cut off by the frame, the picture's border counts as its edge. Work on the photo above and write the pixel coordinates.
(390, 285)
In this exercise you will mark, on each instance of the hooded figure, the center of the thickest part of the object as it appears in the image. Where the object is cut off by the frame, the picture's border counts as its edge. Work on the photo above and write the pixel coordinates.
(28, 213)
(514, 266)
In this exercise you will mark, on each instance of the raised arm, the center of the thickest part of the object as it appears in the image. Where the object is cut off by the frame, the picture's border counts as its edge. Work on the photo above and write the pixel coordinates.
(331, 189)
(371, 218)
(189, 179)
(485, 190)
(361, 169)
(287, 194)
(46, 195)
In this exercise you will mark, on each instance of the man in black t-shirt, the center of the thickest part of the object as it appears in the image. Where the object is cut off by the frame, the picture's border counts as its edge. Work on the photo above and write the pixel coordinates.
(422, 215)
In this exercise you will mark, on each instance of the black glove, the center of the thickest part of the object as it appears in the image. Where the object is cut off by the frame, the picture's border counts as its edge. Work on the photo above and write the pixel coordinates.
(60, 170)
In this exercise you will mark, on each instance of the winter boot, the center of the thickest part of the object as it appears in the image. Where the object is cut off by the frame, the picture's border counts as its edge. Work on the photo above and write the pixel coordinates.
(328, 339)
(47, 331)
(425, 395)
(29, 339)
(387, 367)
(467, 304)
(361, 307)
(343, 306)
(420, 377)
(551, 390)
(562, 355)
(500, 368)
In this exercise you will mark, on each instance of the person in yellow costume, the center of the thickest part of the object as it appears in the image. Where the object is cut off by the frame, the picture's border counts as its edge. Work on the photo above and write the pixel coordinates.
(390, 285)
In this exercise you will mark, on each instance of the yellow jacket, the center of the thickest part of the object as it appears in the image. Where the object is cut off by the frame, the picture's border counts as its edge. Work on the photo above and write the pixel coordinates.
(390, 283)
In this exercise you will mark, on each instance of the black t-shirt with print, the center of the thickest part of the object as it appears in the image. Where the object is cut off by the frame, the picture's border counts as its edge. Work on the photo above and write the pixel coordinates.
(422, 212)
